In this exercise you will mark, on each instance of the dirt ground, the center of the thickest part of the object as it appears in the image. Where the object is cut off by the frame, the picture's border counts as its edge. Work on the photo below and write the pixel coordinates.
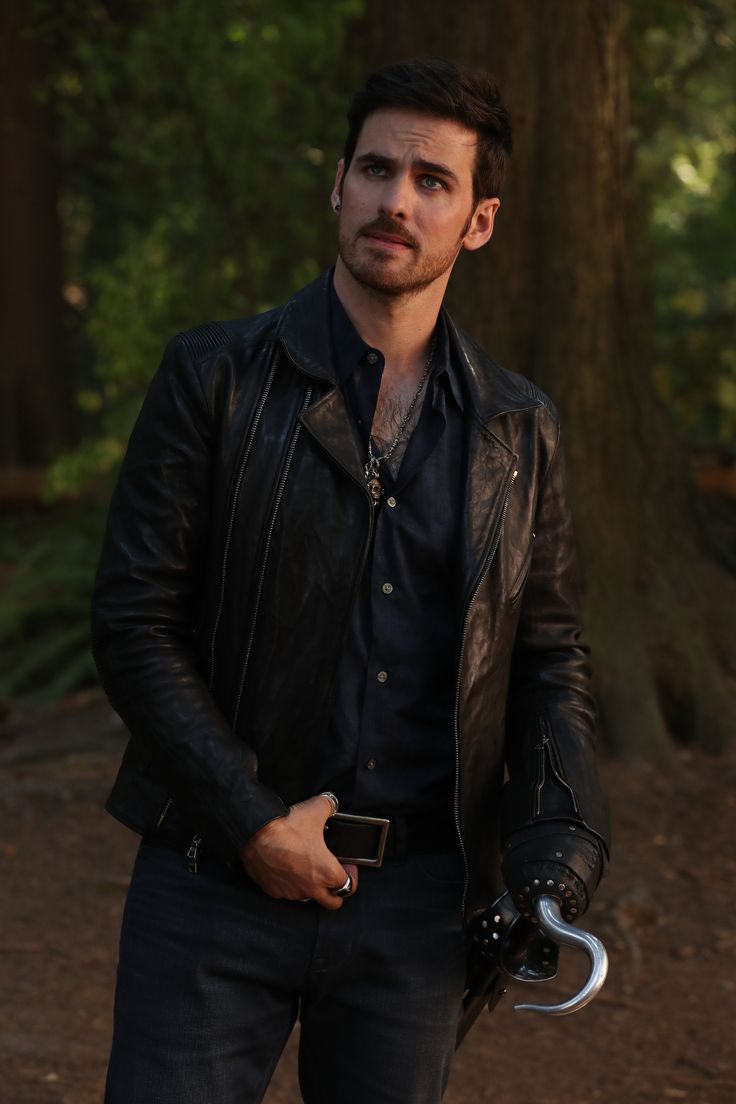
(661, 1030)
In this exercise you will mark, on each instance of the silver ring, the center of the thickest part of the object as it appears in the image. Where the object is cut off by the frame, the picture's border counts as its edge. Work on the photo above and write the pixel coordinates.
(346, 889)
(332, 800)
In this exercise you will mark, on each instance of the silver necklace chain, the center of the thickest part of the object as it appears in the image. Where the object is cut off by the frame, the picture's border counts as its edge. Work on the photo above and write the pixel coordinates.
(372, 467)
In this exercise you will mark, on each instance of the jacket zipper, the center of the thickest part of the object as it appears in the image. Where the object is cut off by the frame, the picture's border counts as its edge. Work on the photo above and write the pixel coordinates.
(193, 854)
(236, 493)
(483, 574)
(548, 754)
(164, 812)
(541, 749)
(264, 561)
(371, 503)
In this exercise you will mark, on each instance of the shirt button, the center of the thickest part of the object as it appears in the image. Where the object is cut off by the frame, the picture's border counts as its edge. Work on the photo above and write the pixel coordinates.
(387, 588)
(371, 764)
(391, 501)
(372, 358)
(382, 676)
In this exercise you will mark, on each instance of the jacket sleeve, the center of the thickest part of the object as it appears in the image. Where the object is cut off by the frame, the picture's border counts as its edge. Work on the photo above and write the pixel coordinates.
(145, 600)
(553, 788)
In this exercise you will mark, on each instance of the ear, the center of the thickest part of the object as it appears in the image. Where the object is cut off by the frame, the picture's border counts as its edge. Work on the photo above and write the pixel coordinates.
(481, 224)
(336, 195)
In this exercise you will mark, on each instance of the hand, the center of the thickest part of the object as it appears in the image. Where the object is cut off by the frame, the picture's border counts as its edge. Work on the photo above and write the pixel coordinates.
(288, 857)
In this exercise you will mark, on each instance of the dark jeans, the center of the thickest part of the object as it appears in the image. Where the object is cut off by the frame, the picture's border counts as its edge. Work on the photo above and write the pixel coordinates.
(213, 974)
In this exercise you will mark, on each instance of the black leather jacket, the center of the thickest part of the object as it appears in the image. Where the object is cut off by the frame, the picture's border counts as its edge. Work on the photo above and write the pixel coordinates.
(235, 543)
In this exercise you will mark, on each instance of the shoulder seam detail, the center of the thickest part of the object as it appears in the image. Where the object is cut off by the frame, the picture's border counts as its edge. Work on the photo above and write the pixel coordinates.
(204, 339)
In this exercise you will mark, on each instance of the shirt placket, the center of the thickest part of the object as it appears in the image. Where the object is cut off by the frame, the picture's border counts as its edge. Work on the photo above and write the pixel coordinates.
(381, 687)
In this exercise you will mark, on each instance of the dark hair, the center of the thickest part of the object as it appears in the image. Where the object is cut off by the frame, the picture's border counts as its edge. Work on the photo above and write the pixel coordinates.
(438, 86)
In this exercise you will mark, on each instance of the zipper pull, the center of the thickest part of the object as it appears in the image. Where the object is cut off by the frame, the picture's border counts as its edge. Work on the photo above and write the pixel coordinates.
(193, 854)
(164, 812)
(543, 750)
(544, 734)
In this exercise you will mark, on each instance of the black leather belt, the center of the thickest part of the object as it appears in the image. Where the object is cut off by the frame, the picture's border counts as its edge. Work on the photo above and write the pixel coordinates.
(368, 841)
(363, 840)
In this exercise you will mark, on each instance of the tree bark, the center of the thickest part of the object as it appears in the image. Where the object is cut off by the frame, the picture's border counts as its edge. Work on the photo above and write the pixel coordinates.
(36, 404)
(555, 297)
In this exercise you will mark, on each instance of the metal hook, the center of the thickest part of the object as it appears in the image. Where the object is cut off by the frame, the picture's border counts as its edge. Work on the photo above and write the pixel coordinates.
(552, 924)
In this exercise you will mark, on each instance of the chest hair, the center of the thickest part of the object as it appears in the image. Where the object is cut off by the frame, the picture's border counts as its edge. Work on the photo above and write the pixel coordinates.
(394, 400)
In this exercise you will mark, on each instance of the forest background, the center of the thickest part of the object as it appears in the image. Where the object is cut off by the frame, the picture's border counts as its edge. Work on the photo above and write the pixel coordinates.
(167, 163)
(164, 164)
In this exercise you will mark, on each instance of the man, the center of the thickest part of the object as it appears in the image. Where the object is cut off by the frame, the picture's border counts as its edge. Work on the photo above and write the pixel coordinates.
(339, 570)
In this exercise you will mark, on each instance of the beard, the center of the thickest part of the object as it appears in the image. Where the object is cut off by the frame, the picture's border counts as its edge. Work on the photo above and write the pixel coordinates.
(419, 269)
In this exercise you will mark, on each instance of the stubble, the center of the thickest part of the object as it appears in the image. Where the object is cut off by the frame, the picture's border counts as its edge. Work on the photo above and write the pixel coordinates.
(380, 275)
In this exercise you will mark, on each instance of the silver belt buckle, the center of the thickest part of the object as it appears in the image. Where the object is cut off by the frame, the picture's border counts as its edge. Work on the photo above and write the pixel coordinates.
(380, 825)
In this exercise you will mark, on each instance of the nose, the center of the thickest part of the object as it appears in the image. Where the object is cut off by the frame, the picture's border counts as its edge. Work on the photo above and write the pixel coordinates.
(396, 197)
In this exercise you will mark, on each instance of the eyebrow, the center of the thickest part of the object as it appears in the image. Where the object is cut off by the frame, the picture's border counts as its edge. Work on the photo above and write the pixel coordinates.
(434, 168)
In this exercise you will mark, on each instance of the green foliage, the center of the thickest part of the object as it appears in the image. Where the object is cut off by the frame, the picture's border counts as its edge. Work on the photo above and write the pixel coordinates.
(199, 143)
(197, 146)
(684, 144)
(44, 622)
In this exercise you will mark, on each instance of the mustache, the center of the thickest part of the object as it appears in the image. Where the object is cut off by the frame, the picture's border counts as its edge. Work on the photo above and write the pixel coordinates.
(386, 225)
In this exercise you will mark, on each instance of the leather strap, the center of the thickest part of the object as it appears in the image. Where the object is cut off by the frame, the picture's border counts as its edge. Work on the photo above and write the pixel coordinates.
(406, 836)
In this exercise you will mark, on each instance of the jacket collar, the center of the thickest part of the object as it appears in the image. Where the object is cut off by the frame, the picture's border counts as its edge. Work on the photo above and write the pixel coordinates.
(493, 390)
(304, 329)
(305, 334)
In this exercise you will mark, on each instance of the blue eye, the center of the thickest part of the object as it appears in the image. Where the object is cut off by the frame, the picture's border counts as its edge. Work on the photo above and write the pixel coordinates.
(432, 183)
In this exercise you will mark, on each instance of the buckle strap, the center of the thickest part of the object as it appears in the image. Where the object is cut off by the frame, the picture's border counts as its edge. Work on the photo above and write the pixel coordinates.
(363, 840)
(424, 835)
(368, 841)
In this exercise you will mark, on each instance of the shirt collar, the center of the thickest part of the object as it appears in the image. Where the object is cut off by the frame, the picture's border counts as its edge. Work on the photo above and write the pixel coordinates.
(350, 349)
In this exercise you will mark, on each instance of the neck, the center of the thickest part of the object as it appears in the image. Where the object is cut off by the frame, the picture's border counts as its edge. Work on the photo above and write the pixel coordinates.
(400, 326)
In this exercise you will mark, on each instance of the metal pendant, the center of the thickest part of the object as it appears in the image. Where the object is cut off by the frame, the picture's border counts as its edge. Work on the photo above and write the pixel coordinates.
(372, 479)
(375, 489)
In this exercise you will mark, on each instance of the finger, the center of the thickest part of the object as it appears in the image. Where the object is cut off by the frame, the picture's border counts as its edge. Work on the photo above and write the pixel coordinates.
(345, 888)
(319, 805)
(328, 900)
(333, 873)
(327, 805)
(352, 870)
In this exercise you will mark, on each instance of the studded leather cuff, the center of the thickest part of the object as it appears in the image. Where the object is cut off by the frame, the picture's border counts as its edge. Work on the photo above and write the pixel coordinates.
(562, 861)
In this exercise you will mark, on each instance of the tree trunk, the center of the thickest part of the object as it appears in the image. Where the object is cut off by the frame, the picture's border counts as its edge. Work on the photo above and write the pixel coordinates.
(36, 409)
(554, 296)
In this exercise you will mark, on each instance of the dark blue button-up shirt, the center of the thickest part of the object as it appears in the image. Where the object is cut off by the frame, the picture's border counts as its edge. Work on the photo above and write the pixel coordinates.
(391, 747)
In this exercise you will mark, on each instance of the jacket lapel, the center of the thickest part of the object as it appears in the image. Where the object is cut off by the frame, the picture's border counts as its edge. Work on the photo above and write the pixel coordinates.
(491, 461)
(329, 423)
(490, 467)
(304, 331)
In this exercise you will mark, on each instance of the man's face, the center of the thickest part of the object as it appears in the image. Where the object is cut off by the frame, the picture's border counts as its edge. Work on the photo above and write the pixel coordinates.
(407, 202)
